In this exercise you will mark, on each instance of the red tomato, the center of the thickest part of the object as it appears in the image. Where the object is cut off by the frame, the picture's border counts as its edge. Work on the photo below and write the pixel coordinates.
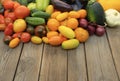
(22, 12)
(2, 20)
(16, 4)
(25, 37)
(16, 35)
(9, 29)
(9, 14)
(8, 20)
(8, 4)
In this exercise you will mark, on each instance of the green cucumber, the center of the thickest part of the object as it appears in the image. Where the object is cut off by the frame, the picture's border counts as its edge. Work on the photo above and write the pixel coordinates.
(40, 14)
(95, 13)
(35, 20)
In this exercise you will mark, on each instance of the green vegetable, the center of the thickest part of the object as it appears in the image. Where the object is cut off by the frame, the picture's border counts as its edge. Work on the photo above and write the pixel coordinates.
(40, 14)
(42, 4)
(95, 13)
(112, 18)
(23, 2)
(31, 6)
(35, 20)
(70, 44)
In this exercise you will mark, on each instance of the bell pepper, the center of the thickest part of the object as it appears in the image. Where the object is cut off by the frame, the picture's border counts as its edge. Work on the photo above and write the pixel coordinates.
(112, 17)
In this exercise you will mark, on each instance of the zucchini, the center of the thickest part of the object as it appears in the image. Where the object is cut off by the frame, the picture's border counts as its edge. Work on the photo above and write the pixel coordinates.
(40, 14)
(35, 20)
(95, 13)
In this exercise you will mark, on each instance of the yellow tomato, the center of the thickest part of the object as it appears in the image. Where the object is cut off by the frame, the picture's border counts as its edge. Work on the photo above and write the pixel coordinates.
(36, 40)
(19, 25)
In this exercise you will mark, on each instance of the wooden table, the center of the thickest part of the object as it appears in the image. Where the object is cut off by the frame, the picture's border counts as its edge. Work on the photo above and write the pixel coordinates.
(96, 60)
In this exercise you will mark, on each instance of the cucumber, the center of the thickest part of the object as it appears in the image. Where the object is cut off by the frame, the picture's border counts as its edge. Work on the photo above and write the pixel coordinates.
(40, 14)
(95, 13)
(35, 20)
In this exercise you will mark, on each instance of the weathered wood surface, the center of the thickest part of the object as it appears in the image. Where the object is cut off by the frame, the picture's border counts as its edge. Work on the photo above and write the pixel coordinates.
(96, 60)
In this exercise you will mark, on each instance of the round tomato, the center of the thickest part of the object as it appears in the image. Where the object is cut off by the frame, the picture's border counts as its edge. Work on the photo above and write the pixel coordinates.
(22, 12)
(16, 4)
(8, 20)
(25, 37)
(8, 4)
(11, 15)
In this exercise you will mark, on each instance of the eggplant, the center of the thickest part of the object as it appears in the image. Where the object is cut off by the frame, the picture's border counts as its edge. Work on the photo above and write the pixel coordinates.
(62, 6)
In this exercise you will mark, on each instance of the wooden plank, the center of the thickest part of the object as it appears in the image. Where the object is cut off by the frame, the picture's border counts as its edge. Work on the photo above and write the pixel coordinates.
(8, 60)
(29, 64)
(114, 39)
(99, 60)
(76, 64)
(54, 64)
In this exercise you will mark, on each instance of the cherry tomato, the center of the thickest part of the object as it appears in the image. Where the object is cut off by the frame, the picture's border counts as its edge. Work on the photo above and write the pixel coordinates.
(21, 11)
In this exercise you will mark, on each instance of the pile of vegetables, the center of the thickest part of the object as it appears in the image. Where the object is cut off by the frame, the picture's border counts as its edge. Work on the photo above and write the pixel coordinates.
(56, 22)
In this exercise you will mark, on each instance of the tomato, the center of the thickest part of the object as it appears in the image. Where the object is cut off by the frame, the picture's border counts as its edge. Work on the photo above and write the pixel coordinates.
(21, 12)
(7, 39)
(9, 29)
(8, 4)
(16, 4)
(25, 37)
(8, 20)
(16, 35)
(2, 27)
(2, 20)
(9, 14)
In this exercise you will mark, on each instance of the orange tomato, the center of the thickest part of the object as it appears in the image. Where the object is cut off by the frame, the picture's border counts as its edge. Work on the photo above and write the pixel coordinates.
(53, 24)
(55, 40)
(72, 23)
(22, 12)
(52, 33)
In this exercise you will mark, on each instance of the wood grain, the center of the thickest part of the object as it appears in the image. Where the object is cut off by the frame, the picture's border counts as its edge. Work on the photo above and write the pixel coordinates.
(29, 64)
(77, 64)
(114, 39)
(8, 60)
(54, 64)
(99, 60)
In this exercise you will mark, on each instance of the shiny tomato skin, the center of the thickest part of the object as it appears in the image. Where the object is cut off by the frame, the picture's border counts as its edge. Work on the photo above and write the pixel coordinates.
(8, 4)
(25, 37)
(21, 12)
